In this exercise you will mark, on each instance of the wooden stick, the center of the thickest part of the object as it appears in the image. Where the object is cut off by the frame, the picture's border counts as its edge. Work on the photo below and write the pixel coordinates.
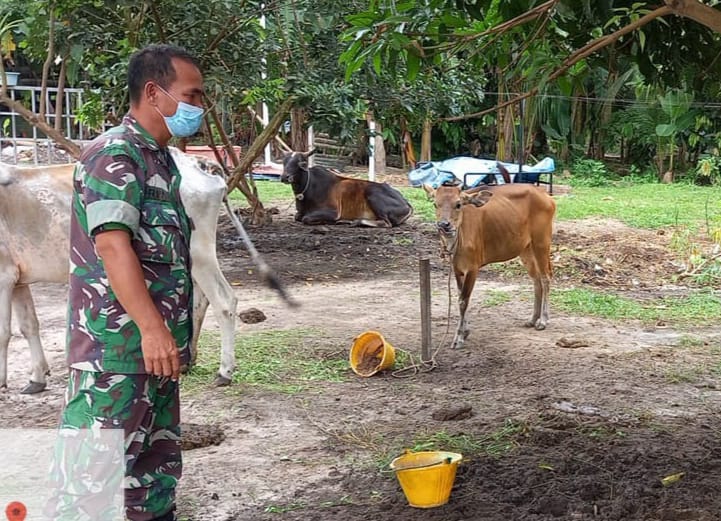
(424, 266)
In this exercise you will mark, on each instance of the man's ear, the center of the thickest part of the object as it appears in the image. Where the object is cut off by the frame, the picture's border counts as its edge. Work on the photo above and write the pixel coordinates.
(430, 192)
(150, 90)
(476, 199)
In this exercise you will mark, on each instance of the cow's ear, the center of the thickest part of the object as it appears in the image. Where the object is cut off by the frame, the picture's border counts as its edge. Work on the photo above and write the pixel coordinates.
(477, 199)
(429, 191)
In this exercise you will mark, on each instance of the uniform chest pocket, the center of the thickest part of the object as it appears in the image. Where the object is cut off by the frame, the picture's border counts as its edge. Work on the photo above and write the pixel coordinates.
(160, 237)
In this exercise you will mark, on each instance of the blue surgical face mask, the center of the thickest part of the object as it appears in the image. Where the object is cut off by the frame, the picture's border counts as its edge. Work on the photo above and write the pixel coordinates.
(187, 118)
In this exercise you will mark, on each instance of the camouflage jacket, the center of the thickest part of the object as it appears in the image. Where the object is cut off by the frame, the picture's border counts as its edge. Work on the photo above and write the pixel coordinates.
(125, 180)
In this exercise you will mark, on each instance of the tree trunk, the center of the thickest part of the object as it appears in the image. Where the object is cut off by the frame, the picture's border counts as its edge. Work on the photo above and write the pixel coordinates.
(379, 151)
(426, 139)
(46, 66)
(298, 132)
(245, 164)
(60, 99)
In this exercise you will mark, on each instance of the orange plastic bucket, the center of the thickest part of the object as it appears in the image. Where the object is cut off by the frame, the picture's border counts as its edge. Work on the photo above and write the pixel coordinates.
(426, 477)
(371, 353)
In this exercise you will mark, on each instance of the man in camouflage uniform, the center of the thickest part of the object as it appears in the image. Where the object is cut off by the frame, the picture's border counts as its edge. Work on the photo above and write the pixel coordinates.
(129, 323)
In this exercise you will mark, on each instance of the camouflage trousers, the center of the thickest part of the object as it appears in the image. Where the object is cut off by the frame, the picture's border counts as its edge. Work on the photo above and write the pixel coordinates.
(147, 410)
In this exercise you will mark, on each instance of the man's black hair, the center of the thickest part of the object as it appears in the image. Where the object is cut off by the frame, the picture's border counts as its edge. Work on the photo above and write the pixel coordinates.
(154, 63)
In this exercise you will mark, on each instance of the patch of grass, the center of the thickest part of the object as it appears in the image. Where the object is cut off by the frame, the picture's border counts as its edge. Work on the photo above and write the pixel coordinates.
(494, 444)
(511, 268)
(689, 341)
(281, 360)
(679, 375)
(695, 309)
(282, 509)
(403, 241)
(418, 199)
(268, 192)
(648, 205)
(495, 298)
(601, 432)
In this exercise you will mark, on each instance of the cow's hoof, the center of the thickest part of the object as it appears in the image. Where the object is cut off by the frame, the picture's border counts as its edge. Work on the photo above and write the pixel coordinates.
(540, 326)
(34, 387)
(530, 323)
(221, 381)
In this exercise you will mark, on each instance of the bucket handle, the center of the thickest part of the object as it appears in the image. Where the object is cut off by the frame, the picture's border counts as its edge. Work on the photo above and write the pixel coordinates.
(447, 461)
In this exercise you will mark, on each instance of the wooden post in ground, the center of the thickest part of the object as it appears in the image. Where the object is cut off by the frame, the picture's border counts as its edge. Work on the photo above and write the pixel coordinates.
(424, 266)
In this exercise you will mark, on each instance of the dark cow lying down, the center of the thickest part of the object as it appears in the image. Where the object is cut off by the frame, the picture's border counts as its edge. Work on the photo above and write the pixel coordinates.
(322, 197)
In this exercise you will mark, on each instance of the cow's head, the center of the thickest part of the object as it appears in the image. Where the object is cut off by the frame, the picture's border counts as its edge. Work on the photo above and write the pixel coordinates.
(449, 202)
(294, 164)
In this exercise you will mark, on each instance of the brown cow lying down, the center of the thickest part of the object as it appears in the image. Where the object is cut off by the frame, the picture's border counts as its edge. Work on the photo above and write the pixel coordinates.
(322, 197)
(496, 225)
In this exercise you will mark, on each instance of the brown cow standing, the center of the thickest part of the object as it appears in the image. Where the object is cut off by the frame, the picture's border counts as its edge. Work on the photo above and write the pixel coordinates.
(496, 225)
(322, 197)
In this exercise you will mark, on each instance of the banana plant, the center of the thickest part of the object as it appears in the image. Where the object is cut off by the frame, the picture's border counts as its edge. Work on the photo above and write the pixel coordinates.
(678, 117)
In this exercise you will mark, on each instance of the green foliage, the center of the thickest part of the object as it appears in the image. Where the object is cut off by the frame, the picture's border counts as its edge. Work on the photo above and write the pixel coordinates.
(92, 113)
(707, 171)
(589, 172)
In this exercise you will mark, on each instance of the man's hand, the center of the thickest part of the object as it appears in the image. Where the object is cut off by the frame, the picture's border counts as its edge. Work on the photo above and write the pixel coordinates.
(160, 353)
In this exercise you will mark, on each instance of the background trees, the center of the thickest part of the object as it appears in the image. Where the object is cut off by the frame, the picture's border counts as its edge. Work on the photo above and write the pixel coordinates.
(621, 77)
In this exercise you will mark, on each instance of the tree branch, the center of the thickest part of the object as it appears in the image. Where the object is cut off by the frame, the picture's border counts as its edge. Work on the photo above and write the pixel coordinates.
(259, 143)
(698, 12)
(574, 58)
(158, 22)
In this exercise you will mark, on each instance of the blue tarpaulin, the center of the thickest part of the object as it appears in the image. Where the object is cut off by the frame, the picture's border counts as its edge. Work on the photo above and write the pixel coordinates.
(473, 171)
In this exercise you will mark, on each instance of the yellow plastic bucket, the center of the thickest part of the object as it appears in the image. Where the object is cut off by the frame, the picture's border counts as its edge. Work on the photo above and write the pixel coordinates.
(371, 353)
(426, 477)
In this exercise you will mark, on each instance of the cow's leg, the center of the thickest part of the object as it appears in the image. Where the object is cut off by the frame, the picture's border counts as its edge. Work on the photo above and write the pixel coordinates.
(9, 275)
(388, 204)
(367, 222)
(543, 261)
(206, 272)
(321, 216)
(537, 320)
(28, 321)
(465, 282)
(5, 316)
(200, 306)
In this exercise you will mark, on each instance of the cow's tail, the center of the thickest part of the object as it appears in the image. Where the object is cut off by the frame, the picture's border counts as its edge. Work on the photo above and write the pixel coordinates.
(266, 274)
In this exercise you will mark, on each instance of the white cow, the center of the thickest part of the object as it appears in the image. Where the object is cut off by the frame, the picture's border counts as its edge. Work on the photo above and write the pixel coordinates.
(34, 247)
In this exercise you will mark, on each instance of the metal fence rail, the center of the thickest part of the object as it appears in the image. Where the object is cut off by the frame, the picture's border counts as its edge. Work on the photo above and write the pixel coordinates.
(21, 142)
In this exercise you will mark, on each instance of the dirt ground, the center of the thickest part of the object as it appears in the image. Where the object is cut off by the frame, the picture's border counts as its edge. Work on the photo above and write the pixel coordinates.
(586, 417)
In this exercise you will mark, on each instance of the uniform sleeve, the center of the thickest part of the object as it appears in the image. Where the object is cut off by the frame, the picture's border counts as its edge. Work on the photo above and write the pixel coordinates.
(112, 191)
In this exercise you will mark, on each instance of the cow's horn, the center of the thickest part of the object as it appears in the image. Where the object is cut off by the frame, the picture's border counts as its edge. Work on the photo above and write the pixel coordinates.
(313, 151)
